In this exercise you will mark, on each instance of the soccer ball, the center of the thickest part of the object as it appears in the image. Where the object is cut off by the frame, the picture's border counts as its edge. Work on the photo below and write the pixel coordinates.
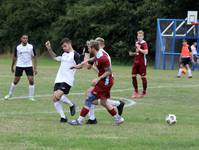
(184, 71)
(171, 119)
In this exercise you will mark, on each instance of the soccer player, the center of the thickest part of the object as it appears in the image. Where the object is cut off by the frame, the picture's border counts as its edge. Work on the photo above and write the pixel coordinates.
(102, 85)
(24, 58)
(185, 57)
(139, 66)
(118, 104)
(65, 76)
(195, 58)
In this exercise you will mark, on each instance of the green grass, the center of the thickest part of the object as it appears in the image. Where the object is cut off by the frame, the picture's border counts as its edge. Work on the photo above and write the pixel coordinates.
(35, 125)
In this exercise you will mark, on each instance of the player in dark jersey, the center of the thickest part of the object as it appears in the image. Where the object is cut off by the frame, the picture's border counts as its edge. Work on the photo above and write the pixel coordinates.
(139, 65)
(102, 85)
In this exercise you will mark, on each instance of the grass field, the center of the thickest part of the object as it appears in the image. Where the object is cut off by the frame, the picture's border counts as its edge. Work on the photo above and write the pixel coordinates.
(35, 125)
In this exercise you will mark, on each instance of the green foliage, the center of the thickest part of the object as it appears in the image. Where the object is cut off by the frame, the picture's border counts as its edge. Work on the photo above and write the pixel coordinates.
(115, 20)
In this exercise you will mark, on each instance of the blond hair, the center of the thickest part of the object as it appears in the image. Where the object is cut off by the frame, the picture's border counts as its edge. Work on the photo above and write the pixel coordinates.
(140, 32)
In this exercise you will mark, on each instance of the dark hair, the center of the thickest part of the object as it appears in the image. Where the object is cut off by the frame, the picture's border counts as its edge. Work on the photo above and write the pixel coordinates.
(65, 40)
(24, 34)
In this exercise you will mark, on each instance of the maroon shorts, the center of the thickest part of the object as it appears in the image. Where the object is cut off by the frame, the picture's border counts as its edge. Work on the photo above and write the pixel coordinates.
(102, 91)
(139, 68)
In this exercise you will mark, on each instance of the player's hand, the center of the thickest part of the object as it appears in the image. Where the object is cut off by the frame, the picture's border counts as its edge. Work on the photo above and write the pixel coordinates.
(137, 46)
(48, 45)
(12, 69)
(95, 81)
(131, 53)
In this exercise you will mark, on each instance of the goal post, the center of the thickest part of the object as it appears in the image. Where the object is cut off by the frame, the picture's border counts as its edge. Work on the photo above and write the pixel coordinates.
(169, 36)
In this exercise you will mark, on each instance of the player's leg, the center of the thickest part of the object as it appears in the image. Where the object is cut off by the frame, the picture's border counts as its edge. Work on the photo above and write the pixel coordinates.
(84, 111)
(134, 81)
(30, 76)
(110, 108)
(180, 68)
(67, 101)
(57, 104)
(18, 74)
(118, 104)
(91, 115)
(142, 72)
(188, 68)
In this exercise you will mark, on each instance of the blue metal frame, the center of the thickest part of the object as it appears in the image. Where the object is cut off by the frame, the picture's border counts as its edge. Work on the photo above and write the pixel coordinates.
(160, 39)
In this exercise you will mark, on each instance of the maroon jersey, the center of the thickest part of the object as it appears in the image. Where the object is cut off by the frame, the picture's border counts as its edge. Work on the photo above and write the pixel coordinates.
(140, 57)
(102, 89)
(102, 61)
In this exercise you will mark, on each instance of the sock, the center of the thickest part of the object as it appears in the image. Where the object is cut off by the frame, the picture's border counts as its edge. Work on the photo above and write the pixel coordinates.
(144, 84)
(59, 109)
(12, 89)
(65, 100)
(91, 113)
(84, 112)
(180, 72)
(31, 91)
(114, 103)
(189, 72)
(135, 84)
(112, 112)
(80, 119)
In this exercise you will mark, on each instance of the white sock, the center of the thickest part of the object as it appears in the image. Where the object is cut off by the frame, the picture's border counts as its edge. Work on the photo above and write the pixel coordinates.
(65, 100)
(117, 116)
(114, 103)
(180, 72)
(91, 113)
(59, 109)
(189, 72)
(31, 91)
(12, 89)
(80, 119)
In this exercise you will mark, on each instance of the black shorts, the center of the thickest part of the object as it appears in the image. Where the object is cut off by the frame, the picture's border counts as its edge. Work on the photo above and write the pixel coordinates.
(195, 58)
(63, 87)
(19, 71)
(185, 61)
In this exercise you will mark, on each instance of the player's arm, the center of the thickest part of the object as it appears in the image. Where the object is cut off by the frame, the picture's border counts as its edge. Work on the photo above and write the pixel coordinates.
(80, 66)
(51, 52)
(132, 53)
(14, 59)
(34, 58)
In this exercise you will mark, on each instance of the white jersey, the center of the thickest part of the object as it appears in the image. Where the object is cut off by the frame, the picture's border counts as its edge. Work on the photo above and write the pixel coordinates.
(65, 74)
(24, 54)
(193, 50)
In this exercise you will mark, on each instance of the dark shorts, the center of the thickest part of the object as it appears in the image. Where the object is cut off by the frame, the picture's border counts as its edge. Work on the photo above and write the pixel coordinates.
(195, 58)
(19, 71)
(139, 68)
(102, 91)
(63, 87)
(185, 61)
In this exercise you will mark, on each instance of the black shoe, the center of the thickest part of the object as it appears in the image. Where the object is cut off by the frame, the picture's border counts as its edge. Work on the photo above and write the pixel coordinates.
(120, 107)
(63, 120)
(89, 121)
(72, 110)
(178, 76)
(189, 77)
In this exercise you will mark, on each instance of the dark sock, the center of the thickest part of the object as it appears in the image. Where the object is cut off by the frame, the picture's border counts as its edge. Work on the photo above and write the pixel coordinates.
(112, 112)
(135, 84)
(144, 84)
(84, 112)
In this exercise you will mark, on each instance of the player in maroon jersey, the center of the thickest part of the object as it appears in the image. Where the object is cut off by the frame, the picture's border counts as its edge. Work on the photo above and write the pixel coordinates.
(102, 85)
(139, 65)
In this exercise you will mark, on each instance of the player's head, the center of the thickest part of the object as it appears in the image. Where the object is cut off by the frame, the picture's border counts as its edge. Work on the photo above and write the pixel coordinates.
(66, 44)
(140, 35)
(24, 39)
(184, 42)
(101, 42)
(94, 45)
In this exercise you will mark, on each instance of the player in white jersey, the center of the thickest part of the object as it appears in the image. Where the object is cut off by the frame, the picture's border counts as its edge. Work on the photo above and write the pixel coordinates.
(119, 104)
(23, 56)
(65, 76)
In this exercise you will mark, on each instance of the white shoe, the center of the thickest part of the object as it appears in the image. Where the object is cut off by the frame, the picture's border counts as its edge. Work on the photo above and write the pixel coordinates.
(7, 97)
(119, 120)
(32, 99)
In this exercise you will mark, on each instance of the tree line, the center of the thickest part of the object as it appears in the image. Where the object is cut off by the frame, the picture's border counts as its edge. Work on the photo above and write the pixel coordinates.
(115, 20)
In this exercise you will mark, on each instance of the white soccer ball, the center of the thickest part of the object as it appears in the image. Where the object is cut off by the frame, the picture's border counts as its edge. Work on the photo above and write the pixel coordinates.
(171, 119)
